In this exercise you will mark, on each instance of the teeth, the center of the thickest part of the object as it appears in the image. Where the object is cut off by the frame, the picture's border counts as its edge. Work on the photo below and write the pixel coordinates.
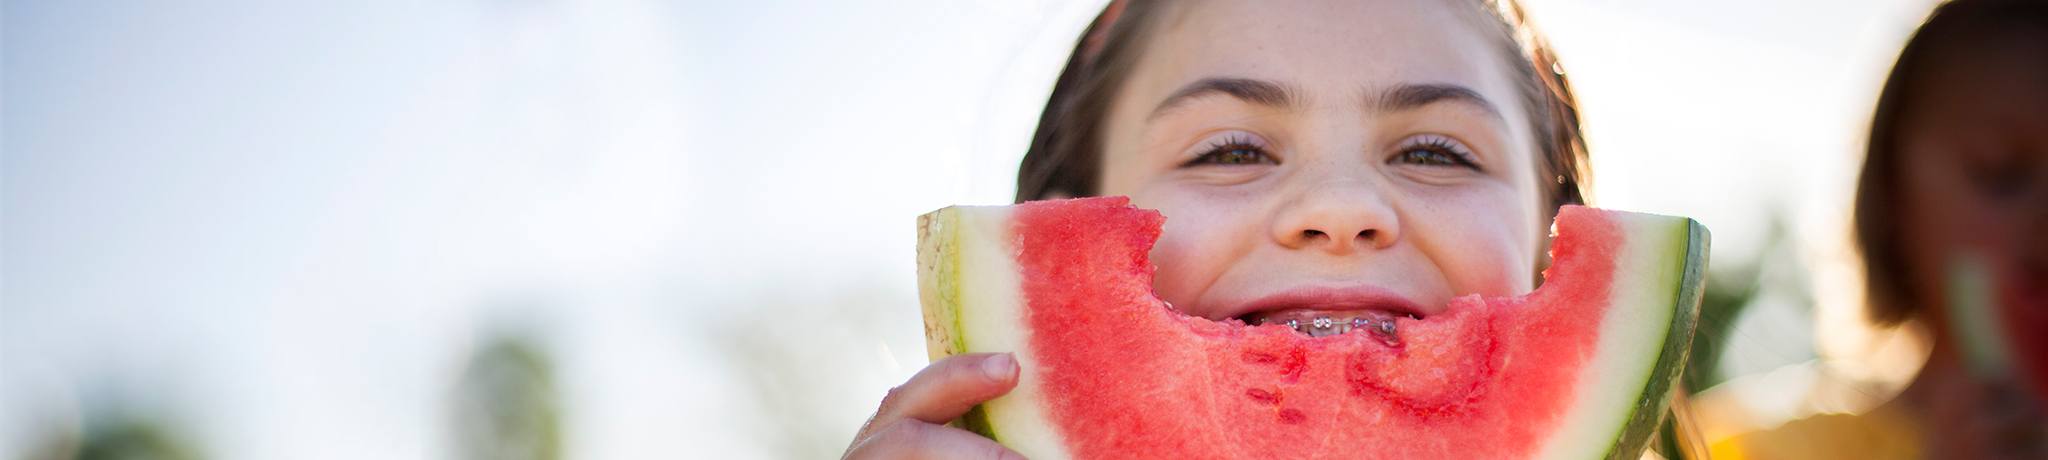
(1382, 328)
(1385, 332)
(1322, 326)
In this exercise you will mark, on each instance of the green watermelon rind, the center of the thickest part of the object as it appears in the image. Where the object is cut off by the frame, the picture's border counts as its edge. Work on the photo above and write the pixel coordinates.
(1657, 280)
(938, 279)
(939, 252)
(1642, 425)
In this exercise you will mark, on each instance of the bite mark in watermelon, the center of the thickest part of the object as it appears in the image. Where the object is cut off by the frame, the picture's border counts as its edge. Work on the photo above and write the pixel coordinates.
(1582, 367)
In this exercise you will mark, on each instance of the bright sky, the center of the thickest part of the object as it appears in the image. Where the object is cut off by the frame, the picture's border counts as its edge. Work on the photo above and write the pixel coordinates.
(285, 223)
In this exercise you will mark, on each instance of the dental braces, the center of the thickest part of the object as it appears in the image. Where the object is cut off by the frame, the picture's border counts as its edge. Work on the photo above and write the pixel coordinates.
(1321, 326)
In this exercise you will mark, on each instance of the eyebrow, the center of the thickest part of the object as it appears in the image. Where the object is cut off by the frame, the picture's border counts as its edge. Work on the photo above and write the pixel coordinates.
(1414, 96)
(1259, 92)
(1407, 96)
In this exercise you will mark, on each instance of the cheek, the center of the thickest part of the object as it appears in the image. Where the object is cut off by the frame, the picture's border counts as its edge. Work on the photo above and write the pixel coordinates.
(1200, 241)
(1488, 265)
(1944, 215)
(1479, 241)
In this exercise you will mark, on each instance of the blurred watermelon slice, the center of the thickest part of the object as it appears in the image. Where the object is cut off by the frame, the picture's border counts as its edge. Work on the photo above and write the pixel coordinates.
(1999, 317)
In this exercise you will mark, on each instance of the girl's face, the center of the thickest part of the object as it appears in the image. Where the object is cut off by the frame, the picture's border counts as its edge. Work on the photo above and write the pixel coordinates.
(1974, 163)
(1332, 158)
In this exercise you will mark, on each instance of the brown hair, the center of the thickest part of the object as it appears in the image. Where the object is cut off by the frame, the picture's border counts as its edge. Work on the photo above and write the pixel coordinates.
(1890, 298)
(1066, 153)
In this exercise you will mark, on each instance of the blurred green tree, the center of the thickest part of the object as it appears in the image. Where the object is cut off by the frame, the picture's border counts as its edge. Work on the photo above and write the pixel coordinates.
(506, 404)
(1733, 288)
(117, 435)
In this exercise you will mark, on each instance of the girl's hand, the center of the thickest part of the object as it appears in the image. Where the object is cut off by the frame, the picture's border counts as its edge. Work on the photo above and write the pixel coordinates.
(912, 420)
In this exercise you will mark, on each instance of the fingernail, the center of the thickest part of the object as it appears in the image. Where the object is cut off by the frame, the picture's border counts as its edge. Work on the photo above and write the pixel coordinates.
(999, 367)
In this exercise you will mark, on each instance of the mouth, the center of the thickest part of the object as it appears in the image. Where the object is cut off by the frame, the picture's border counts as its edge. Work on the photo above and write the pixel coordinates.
(1322, 312)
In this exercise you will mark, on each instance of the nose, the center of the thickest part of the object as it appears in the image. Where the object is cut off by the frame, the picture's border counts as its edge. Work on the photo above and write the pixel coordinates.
(1338, 216)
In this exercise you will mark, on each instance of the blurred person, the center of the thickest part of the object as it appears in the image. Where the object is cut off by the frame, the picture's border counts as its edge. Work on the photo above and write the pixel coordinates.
(1415, 147)
(1952, 218)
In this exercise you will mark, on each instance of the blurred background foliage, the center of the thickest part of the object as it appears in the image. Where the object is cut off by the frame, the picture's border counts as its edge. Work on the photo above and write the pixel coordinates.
(1734, 283)
(505, 405)
(119, 436)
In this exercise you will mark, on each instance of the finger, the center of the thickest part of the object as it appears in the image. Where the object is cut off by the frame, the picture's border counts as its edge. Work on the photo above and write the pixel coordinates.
(917, 439)
(948, 388)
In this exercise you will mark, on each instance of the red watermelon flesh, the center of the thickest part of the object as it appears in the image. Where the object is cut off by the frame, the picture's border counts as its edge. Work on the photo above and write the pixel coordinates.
(2025, 317)
(1111, 371)
(1997, 310)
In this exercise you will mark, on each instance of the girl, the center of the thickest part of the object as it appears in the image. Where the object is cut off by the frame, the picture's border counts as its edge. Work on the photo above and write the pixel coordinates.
(1406, 150)
(1956, 170)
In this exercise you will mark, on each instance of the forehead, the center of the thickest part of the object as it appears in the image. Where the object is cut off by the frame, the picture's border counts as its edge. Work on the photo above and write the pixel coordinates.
(1336, 51)
(1984, 79)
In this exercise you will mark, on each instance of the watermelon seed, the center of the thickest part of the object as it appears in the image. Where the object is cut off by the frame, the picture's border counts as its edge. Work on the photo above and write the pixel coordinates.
(1292, 416)
(1262, 396)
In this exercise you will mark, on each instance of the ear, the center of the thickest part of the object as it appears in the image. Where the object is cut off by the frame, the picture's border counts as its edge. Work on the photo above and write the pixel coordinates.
(1091, 45)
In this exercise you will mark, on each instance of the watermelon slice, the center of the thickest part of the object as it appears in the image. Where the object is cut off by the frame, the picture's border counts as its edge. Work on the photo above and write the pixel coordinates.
(1996, 315)
(1583, 367)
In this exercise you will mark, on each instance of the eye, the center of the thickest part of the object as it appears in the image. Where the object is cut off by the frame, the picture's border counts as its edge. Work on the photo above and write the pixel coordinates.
(1232, 151)
(2001, 177)
(1434, 151)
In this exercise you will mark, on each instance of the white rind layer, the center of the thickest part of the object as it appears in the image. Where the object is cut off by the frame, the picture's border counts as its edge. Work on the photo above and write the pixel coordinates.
(1649, 272)
(990, 317)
